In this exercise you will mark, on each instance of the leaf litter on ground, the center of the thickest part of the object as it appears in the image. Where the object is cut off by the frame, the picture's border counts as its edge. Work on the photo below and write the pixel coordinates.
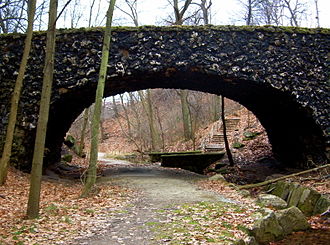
(63, 214)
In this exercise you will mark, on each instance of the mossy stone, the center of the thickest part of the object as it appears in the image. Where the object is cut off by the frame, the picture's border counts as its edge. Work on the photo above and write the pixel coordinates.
(267, 229)
(295, 194)
(321, 205)
(67, 158)
(292, 219)
(308, 201)
(280, 189)
(273, 201)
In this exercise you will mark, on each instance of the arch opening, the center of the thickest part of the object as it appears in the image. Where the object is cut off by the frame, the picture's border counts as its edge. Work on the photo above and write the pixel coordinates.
(292, 132)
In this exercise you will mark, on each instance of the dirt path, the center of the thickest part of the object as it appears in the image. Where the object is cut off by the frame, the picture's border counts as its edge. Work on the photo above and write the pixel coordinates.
(159, 189)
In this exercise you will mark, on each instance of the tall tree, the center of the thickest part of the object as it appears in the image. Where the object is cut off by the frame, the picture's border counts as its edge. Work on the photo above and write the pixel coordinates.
(203, 12)
(179, 12)
(37, 162)
(16, 95)
(223, 119)
(179, 19)
(83, 133)
(146, 100)
(215, 107)
(148, 109)
(186, 115)
(91, 172)
(317, 12)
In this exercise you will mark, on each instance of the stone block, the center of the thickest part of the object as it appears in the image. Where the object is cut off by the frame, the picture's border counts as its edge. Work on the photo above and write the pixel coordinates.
(291, 219)
(308, 201)
(321, 205)
(295, 193)
(273, 201)
(267, 229)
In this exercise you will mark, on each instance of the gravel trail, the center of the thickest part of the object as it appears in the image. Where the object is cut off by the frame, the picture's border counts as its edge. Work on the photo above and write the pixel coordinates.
(159, 189)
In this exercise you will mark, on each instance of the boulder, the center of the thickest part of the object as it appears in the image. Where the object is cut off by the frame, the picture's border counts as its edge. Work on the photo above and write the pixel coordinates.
(267, 229)
(250, 240)
(217, 177)
(321, 205)
(291, 219)
(280, 189)
(273, 201)
(245, 193)
(308, 201)
(294, 195)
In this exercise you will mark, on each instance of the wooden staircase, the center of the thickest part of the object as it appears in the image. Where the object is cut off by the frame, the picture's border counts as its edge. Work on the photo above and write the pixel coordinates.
(216, 140)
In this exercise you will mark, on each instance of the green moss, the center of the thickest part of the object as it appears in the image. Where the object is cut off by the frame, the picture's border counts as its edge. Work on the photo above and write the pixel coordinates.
(224, 28)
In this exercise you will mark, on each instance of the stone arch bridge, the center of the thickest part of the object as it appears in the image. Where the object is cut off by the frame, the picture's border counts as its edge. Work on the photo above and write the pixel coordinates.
(280, 74)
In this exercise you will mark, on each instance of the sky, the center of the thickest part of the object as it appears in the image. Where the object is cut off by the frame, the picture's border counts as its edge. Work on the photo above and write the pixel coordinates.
(154, 12)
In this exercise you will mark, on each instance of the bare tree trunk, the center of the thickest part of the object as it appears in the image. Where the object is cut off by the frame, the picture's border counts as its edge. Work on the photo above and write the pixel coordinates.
(101, 122)
(37, 162)
(249, 15)
(186, 115)
(16, 95)
(229, 155)
(126, 116)
(317, 13)
(293, 18)
(215, 107)
(115, 109)
(161, 129)
(153, 128)
(83, 132)
(137, 117)
(91, 172)
(154, 134)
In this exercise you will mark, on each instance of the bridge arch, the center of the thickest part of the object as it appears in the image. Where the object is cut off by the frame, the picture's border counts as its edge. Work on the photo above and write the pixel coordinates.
(280, 74)
(290, 128)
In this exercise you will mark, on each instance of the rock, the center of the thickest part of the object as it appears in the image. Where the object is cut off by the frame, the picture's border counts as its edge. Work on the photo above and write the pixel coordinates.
(308, 201)
(269, 200)
(218, 177)
(238, 145)
(321, 205)
(292, 219)
(295, 193)
(250, 240)
(267, 229)
(245, 193)
(67, 157)
(222, 170)
(70, 141)
(280, 189)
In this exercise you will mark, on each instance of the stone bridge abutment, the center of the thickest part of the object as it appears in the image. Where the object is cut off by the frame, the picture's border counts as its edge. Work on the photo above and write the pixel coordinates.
(280, 74)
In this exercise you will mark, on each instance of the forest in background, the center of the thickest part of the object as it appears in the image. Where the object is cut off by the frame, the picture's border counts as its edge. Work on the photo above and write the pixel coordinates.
(125, 126)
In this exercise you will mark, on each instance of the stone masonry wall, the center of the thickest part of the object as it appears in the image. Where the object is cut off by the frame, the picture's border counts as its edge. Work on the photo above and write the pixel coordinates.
(286, 69)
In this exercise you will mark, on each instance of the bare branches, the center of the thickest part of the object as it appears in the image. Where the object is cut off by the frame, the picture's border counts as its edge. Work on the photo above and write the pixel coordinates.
(13, 16)
(132, 13)
(274, 12)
